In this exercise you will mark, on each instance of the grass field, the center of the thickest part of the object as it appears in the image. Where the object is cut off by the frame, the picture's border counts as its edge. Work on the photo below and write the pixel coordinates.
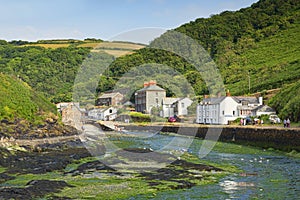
(90, 44)
(52, 46)
(119, 45)
(116, 53)
(116, 49)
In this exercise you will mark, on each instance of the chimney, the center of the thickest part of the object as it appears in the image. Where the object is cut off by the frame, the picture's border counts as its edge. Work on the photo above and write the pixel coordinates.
(260, 100)
(146, 84)
(228, 93)
(206, 96)
(219, 94)
(152, 82)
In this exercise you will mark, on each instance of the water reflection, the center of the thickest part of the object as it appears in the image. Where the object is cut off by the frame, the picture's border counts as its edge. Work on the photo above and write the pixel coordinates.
(231, 186)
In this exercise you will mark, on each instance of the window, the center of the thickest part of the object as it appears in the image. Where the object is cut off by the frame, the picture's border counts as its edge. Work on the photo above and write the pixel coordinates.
(223, 113)
(182, 105)
(233, 113)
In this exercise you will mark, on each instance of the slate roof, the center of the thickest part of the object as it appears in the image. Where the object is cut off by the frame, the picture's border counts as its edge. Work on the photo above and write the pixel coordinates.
(169, 100)
(109, 95)
(238, 99)
(213, 100)
(250, 100)
(264, 108)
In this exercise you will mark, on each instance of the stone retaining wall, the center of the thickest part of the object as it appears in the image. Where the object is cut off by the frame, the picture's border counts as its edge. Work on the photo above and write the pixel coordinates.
(277, 138)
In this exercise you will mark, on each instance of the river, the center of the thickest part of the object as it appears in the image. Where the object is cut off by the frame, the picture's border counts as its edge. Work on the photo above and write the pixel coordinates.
(266, 174)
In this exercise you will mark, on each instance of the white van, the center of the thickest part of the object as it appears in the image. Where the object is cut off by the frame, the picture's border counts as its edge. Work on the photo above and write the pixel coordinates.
(274, 119)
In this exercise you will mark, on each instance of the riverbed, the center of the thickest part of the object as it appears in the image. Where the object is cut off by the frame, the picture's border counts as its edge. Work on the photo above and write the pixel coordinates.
(148, 165)
(266, 174)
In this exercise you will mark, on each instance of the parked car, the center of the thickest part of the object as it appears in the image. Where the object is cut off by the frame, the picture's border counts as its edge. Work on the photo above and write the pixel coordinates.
(248, 120)
(274, 119)
(172, 119)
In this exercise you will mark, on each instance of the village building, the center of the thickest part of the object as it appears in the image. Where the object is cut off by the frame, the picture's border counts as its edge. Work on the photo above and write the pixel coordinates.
(168, 106)
(154, 96)
(263, 110)
(181, 106)
(217, 110)
(110, 99)
(71, 113)
(248, 105)
(149, 97)
(222, 110)
(105, 114)
(63, 105)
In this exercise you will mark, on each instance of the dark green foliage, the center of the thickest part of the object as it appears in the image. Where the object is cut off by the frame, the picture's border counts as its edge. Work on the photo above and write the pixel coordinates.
(90, 79)
(153, 57)
(288, 102)
(260, 43)
(50, 71)
(18, 100)
(19, 42)
(261, 20)
(262, 40)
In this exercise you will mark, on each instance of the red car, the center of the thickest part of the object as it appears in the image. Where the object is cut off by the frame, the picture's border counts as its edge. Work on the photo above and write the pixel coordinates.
(172, 119)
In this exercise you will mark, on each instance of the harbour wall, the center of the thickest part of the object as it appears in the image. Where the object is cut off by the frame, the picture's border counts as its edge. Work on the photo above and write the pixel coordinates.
(286, 139)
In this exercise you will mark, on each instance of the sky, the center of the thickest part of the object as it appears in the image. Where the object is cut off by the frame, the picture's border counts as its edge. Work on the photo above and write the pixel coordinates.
(33, 20)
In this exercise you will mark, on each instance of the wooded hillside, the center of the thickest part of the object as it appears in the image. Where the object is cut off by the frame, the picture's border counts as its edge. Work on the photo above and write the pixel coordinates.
(260, 43)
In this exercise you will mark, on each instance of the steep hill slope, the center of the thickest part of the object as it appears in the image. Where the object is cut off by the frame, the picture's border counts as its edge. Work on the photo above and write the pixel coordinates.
(259, 43)
(287, 101)
(271, 63)
(18, 100)
(25, 113)
(49, 71)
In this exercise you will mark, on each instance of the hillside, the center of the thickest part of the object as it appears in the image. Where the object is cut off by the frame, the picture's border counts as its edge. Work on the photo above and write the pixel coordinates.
(260, 43)
(18, 100)
(49, 71)
(261, 40)
(25, 114)
(288, 101)
(50, 66)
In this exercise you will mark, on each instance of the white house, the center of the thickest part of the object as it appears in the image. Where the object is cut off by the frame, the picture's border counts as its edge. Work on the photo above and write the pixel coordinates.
(221, 110)
(218, 110)
(105, 114)
(175, 106)
(168, 106)
(181, 105)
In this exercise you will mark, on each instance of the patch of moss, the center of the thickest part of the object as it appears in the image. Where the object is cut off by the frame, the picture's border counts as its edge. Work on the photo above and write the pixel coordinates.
(2, 169)
(74, 165)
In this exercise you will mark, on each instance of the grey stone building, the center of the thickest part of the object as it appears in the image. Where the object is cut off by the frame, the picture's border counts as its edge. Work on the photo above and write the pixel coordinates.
(148, 97)
(110, 99)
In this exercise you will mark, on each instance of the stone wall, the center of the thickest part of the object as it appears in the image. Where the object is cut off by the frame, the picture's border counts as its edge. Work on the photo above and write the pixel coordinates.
(277, 138)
